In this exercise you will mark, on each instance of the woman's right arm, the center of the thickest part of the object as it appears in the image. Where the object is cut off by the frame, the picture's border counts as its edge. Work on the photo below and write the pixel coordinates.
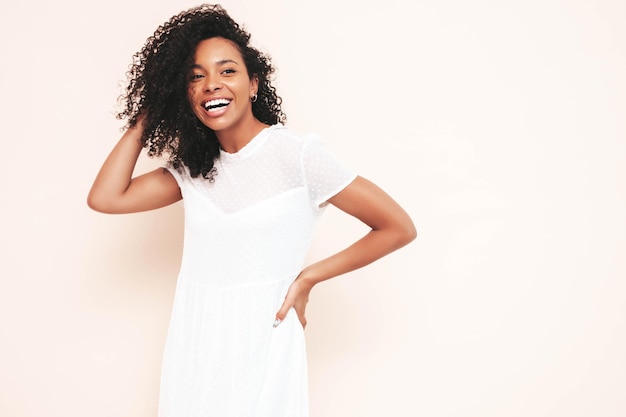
(114, 191)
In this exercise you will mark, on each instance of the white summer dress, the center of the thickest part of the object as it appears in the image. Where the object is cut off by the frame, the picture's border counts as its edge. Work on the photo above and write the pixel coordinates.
(246, 237)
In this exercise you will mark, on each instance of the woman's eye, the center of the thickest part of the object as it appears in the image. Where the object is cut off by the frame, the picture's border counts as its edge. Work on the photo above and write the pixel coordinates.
(229, 71)
(196, 76)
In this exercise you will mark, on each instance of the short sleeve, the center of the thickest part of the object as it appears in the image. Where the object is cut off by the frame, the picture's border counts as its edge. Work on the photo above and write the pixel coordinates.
(324, 176)
(178, 174)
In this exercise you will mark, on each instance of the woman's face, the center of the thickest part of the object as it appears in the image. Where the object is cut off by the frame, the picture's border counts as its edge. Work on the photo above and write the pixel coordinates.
(220, 87)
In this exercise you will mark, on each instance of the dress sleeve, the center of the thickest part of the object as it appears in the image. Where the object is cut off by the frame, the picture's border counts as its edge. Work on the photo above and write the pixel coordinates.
(324, 176)
(178, 174)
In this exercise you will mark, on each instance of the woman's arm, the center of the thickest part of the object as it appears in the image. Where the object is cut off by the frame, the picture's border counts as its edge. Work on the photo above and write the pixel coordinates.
(392, 228)
(114, 190)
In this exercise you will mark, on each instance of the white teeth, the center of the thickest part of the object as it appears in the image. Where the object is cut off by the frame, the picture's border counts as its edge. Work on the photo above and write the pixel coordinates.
(218, 102)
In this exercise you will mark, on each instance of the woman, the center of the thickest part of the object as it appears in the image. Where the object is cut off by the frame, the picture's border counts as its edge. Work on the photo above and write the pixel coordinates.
(253, 192)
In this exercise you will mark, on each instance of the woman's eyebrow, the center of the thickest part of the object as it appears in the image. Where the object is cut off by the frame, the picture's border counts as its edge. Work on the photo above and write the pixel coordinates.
(227, 61)
(220, 62)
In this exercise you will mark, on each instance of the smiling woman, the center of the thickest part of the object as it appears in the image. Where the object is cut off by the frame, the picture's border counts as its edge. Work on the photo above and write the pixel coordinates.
(221, 91)
(253, 193)
(163, 74)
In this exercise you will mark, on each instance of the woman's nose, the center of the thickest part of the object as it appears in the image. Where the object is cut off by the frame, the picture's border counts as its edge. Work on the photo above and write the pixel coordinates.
(212, 84)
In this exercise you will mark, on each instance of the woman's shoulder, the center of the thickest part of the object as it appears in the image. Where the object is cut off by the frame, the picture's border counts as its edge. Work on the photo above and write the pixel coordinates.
(179, 171)
(290, 139)
(282, 132)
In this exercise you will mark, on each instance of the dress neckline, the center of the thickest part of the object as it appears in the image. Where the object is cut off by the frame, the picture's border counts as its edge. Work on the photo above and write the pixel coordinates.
(251, 147)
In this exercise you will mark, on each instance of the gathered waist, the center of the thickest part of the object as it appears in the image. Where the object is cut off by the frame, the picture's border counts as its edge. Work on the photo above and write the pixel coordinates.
(195, 281)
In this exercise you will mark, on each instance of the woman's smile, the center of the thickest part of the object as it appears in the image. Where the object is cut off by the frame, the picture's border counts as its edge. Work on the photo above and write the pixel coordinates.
(217, 106)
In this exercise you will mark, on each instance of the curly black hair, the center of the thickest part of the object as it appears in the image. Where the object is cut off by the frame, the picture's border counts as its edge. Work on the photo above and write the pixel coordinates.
(157, 87)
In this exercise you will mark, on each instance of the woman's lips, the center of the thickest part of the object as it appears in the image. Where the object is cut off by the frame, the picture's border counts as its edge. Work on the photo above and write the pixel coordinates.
(216, 106)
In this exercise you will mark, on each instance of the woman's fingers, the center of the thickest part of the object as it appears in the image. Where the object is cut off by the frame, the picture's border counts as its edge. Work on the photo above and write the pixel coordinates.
(282, 312)
(297, 297)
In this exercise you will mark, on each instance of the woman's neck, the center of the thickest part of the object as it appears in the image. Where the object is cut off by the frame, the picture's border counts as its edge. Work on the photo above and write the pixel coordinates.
(234, 139)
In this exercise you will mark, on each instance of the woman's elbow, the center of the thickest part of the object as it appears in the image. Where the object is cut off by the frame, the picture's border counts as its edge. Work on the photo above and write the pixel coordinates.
(403, 233)
(95, 204)
(99, 203)
(407, 234)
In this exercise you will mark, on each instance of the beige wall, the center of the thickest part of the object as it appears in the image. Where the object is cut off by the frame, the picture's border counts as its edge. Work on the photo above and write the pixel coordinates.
(499, 125)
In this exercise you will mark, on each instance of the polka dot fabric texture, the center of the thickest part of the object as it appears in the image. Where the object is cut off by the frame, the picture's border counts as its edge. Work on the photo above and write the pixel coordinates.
(246, 238)
(273, 162)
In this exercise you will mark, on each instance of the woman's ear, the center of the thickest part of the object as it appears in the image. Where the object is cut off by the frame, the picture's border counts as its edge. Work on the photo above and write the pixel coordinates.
(254, 85)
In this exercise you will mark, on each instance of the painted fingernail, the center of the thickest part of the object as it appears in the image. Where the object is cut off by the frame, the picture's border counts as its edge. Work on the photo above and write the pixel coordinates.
(276, 322)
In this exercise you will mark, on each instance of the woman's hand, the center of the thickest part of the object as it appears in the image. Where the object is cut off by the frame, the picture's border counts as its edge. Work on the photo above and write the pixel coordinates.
(297, 297)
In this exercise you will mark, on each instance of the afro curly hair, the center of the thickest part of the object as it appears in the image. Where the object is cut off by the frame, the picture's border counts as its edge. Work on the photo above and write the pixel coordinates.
(157, 88)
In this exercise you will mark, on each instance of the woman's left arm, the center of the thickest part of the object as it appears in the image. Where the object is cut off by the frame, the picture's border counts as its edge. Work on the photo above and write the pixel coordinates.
(392, 228)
